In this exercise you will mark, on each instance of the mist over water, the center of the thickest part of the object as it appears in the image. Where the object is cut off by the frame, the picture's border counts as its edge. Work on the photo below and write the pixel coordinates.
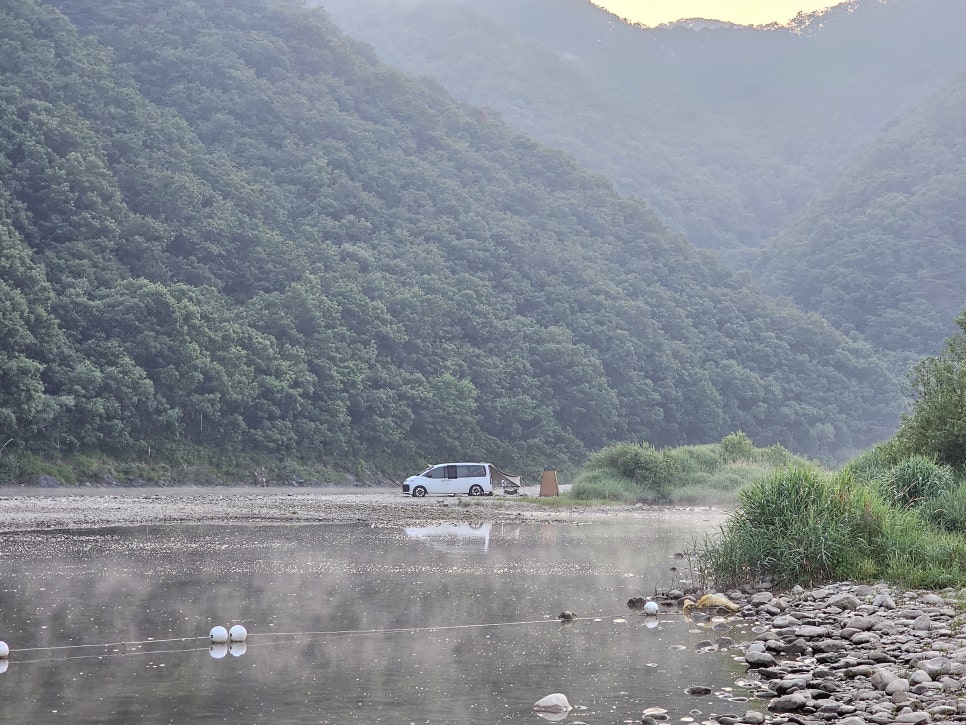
(351, 623)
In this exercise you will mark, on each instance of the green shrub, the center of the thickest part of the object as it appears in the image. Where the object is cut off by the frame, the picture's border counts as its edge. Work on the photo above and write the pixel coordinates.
(804, 526)
(648, 469)
(916, 480)
(599, 485)
(871, 466)
(948, 510)
(692, 461)
(777, 456)
(737, 447)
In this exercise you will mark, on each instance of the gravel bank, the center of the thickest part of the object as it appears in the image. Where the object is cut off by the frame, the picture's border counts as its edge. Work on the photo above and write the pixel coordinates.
(855, 655)
(31, 509)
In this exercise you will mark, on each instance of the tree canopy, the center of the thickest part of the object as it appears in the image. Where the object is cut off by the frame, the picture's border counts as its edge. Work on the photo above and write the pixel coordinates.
(226, 224)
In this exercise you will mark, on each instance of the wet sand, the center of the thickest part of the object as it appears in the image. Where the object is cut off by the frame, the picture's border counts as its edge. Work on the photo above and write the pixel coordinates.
(44, 509)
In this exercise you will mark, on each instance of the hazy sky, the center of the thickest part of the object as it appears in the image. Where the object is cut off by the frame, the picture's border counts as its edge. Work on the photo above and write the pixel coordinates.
(744, 12)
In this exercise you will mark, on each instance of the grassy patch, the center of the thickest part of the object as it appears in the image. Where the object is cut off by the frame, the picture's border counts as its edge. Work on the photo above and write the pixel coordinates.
(804, 525)
(711, 474)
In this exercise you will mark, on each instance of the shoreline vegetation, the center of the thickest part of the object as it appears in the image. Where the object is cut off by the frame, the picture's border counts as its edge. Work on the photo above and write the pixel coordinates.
(895, 513)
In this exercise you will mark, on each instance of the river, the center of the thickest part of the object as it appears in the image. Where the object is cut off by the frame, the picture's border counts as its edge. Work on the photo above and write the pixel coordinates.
(356, 623)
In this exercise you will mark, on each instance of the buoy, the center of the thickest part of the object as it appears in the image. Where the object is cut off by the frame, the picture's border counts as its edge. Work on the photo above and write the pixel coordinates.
(651, 608)
(237, 649)
(218, 650)
(237, 633)
(4, 650)
(218, 635)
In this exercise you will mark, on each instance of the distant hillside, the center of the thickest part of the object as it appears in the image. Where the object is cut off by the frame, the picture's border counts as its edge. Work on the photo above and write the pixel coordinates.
(727, 131)
(883, 253)
(230, 226)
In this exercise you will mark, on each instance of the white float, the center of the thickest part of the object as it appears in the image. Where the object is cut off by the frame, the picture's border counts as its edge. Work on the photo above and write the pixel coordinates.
(218, 635)
(4, 650)
(651, 608)
(237, 634)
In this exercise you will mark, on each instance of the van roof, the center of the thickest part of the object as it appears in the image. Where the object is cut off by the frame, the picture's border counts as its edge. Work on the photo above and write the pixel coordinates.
(461, 463)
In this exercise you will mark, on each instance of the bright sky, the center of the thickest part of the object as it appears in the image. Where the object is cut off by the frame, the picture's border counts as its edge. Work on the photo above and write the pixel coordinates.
(742, 12)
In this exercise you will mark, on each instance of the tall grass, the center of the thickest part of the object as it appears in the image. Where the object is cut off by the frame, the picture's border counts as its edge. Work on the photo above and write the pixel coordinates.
(803, 525)
(696, 474)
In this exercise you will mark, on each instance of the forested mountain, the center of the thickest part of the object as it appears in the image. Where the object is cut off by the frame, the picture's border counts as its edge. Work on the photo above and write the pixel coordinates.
(854, 114)
(883, 253)
(225, 224)
(727, 131)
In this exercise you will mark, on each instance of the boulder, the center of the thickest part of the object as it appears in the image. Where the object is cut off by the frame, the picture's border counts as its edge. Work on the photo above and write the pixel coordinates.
(555, 703)
(794, 702)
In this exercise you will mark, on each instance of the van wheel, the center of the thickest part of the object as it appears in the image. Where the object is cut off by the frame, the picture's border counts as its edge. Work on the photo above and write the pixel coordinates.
(476, 490)
(419, 491)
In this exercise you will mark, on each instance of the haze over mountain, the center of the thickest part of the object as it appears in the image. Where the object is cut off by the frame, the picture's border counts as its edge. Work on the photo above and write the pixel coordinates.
(225, 225)
(732, 132)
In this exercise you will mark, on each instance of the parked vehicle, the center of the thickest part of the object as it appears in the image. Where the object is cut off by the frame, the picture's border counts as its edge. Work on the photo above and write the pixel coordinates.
(473, 479)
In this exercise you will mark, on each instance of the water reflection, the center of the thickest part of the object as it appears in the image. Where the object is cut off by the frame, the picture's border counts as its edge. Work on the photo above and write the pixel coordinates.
(347, 623)
(453, 537)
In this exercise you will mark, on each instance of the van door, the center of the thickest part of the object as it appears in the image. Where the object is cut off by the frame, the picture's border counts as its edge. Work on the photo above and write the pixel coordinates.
(451, 481)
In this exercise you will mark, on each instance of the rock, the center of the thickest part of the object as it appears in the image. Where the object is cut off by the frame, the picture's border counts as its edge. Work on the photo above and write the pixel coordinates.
(861, 623)
(845, 602)
(884, 601)
(936, 667)
(759, 659)
(554, 703)
(698, 690)
(567, 616)
(913, 718)
(753, 717)
(791, 684)
(794, 702)
(714, 601)
(46, 481)
(896, 686)
(922, 623)
(829, 645)
(811, 632)
(760, 598)
(882, 677)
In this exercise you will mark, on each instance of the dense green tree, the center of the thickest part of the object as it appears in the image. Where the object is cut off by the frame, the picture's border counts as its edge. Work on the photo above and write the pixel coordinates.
(236, 230)
(936, 425)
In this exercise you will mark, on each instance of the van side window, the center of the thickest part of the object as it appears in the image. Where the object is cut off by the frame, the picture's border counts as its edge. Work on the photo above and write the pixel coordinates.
(472, 471)
(436, 472)
(451, 472)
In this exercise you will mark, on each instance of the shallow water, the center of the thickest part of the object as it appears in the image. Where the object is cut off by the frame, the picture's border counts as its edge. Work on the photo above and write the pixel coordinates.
(352, 624)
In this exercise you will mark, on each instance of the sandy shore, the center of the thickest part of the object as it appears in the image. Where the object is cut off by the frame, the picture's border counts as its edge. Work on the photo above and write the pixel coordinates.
(31, 509)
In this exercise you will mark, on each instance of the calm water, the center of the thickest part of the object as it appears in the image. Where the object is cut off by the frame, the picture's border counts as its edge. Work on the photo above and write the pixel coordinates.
(351, 624)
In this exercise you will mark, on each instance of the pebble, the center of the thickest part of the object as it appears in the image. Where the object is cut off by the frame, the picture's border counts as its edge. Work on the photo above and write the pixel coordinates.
(849, 654)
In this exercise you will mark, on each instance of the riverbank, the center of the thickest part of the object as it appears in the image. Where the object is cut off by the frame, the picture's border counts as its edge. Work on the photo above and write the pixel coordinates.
(855, 655)
(32, 508)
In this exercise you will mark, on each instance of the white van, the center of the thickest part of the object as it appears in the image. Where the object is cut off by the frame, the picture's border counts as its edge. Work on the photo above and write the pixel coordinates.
(473, 479)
